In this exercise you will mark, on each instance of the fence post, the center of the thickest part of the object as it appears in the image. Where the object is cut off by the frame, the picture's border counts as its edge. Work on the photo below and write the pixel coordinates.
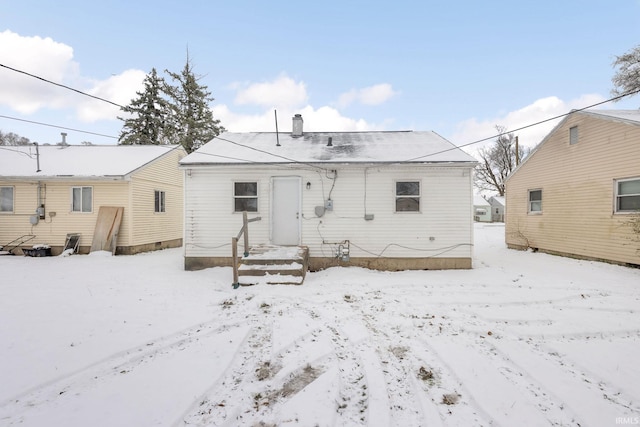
(245, 229)
(234, 251)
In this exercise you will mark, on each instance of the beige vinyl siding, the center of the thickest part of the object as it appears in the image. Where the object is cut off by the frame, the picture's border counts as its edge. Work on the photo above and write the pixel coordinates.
(16, 223)
(444, 220)
(163, 175)
(578, 187)
(57, 198)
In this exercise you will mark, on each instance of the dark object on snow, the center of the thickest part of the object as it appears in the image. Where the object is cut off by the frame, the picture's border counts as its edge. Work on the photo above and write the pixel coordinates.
(73, 239)
(37, 252)
(9, 247)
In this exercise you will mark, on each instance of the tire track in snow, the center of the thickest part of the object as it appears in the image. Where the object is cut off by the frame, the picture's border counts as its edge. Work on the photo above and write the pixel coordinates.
(218, 405)
(124, 361)
(266, 381)
(596, 403)
(392, 349)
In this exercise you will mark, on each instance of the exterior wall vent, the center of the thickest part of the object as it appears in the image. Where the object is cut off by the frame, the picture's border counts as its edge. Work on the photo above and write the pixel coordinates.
(296, 130)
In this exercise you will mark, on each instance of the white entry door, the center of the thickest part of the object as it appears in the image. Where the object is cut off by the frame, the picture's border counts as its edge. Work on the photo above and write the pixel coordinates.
(285, 210)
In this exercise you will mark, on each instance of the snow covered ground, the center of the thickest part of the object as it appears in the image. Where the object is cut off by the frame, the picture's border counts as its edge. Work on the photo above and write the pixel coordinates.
(522, 339)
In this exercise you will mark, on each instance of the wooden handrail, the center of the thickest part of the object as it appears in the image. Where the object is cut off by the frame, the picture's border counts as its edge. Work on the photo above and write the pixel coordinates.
(234, 245)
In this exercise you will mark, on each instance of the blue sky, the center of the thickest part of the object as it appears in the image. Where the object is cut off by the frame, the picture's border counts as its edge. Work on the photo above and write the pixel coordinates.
(458, 68)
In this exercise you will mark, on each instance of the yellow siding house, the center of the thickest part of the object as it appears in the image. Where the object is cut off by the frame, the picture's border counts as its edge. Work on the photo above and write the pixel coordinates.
(48, 192)
(579, 191)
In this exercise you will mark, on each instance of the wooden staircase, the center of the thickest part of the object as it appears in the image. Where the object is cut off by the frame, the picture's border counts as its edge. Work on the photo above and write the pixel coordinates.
(274, 265)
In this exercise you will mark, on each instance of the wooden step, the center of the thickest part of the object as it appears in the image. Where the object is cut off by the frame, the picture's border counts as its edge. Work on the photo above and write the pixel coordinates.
(272, 264)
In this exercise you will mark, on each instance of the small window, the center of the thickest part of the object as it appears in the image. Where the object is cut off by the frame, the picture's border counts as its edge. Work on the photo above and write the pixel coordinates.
(481, 211)
(81, 199)
(628, 195)
(407, 196)
(159, 201)
(6, 199)
(245, 196)
(535, 201)
(573, 135)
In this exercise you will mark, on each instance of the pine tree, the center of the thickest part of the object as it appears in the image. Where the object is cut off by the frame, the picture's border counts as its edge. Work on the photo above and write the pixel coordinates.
(192, 119)
(150, 115)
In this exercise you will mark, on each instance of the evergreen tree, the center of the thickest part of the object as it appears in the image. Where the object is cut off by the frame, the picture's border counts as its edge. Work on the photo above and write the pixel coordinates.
(192, 120)
(150, 120)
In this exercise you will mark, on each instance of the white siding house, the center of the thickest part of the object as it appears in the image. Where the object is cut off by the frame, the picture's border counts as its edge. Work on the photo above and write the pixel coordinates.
(497, 208)
(384, 200)
(481, 209)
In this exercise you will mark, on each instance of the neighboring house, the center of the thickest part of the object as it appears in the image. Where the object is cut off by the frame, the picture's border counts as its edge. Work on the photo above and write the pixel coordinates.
(497, 208)
(481, 209)
(383, 200)
(576, 192)
(50, 191)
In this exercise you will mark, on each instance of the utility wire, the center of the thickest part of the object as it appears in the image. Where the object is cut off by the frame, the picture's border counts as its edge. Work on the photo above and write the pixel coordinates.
(455, 147)
(271, 154)
(58, 127)
(60, 85)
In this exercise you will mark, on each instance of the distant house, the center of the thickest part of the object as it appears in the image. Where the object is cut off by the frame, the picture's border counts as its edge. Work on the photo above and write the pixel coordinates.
(575, 193)
(497, 208)
(50, 191)
(481, 209)
(382, 200)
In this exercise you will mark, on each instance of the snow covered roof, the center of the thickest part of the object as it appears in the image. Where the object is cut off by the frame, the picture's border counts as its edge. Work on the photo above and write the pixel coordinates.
(498, 199)
(478, 200)
(327, 147)
(630, 116)
(86, 161)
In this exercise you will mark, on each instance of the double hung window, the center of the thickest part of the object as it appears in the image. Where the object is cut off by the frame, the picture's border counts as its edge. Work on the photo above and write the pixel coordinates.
(81, 199)
(245, 196)
(628, 195)
(407, 196)
(535, 201)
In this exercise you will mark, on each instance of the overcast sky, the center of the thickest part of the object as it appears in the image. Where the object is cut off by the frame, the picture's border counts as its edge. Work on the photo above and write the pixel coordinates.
(458, 68)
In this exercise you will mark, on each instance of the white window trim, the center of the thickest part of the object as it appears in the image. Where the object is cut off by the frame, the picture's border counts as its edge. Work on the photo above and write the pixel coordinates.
(81, 211)
(616, 195)
(163, 202)
(234, 197)
(532, 212)
(395, 196)
(13, 200)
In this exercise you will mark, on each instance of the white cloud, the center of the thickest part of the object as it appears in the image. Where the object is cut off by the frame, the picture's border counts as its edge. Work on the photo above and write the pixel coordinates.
(542, 109)
(119, 89)
(289, 97)
(283, 92)
(315, 120)
(53, 61)
(38, 56)
(371, 95)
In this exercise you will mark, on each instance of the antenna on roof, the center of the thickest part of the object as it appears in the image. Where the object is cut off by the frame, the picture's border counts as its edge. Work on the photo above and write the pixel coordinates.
(275, 112)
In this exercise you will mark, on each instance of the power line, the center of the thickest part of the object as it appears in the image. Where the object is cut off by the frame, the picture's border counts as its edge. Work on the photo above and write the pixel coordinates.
(455, 147)
(58, 127)
(60, 85)
(271, 154)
